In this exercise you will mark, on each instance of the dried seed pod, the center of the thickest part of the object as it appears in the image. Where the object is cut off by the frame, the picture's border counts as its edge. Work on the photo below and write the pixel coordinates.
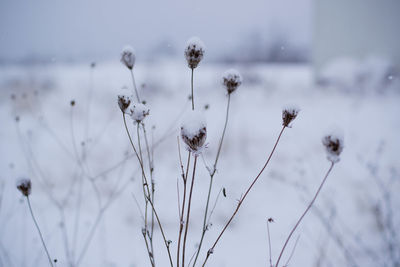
(194, 131)
(24, 185)
(128, 57)
(194, 52)
(288, 115)
(334, 146)
(139, 112)
(124, 101)
(231, 80)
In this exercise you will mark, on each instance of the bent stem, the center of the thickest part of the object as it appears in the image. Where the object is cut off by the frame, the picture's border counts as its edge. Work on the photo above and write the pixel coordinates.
(40, 233)
(134, 86)
(188, 212)
(304, 213)
(211, 181)
(211, 250)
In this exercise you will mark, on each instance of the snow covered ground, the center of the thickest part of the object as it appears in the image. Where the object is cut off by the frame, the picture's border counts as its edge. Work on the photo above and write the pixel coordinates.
(353, 223)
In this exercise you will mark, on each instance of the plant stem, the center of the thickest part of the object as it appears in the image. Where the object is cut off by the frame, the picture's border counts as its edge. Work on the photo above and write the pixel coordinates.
(151, 169)
(304, 213)
(192, 98)
(210, 251)
(188, 212)
(40, 233)
(211, 180)
(134, 86)
(162, 232)
(269, 245)
(184, 177)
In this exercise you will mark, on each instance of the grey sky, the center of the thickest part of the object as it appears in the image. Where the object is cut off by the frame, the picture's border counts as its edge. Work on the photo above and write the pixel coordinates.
(98, 28)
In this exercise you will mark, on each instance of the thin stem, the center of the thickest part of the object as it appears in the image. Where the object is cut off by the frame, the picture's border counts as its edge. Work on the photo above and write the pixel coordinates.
(148, 250)
(162, 232)
(192, 95)
(304, 213)
(151, 169)
(134, 86)
(184, 177)
(291, 254)
(188, 212)
(40, 233)
(211, 180)
(211, 250)
(269, 244)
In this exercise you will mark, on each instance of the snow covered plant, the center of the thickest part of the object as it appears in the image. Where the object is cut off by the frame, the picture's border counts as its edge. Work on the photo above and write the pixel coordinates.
(24, 185)
(193, 132)
(194, 53)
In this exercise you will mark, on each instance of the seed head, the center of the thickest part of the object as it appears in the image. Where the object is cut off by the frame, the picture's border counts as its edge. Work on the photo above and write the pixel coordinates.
(24, 185)
(288, 115)
(124, 101)
(231, 80)
(138, 112)
(334, 146)
(194, 132)
(128, 57)
(194, 52)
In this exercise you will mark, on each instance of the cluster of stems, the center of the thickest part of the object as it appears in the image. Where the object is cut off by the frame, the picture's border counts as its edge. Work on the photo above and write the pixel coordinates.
(148, 185)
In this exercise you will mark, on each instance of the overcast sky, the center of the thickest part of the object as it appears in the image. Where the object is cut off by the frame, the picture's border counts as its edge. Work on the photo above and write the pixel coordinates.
(100, 28)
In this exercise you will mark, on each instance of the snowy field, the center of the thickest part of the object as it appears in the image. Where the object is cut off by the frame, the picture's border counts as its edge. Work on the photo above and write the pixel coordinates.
(84, 174)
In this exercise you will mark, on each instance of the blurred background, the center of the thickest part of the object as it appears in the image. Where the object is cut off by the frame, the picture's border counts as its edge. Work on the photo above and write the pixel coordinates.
(339, 61)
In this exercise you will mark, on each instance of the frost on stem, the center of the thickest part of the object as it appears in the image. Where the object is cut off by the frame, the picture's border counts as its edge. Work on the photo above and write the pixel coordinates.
(231, 80)
(138, 112)
(289, 114)
(194, 132)
(194, 52)
(24, 185)
(128, 57)
(334, 146)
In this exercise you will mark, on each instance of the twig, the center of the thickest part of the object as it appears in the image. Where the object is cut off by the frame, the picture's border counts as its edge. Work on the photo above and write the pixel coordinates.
(188, 212)
(269, 242)
(211, 250)
(212, 173)
(181, 223)
(291, 253)
(134, 86)
(40, 233)
(192, 97)
(304, 213)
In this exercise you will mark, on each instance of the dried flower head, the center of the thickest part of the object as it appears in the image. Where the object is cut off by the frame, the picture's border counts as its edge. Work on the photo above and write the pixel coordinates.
(194, 131)
(24, 185)
(194, 52)
(231, 80)
(288, 115)
(124, 101)
(128, 57)
(138, 112)
(334, 146)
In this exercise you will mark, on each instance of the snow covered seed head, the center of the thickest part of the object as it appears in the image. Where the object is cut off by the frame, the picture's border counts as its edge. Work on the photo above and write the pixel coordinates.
(231, 80)
(194, 52)
(139, 112)
(334, 146)
(123, 102)
(194, 131)
(24, 185)
(288, 115)
(128, 57)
